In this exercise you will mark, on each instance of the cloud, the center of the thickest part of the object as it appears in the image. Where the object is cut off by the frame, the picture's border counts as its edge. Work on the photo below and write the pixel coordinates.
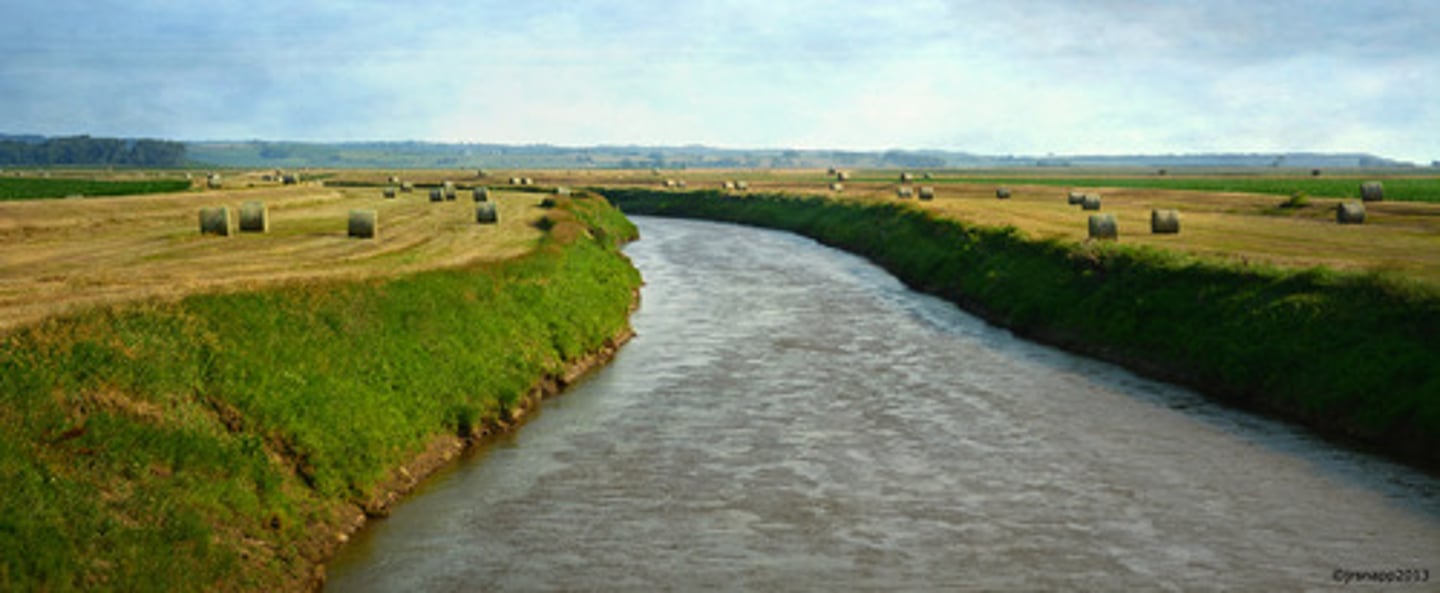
(1028, 76)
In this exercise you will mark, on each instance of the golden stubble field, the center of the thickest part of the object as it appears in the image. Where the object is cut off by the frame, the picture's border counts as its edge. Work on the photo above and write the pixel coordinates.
(62, 255)
(1397, 237)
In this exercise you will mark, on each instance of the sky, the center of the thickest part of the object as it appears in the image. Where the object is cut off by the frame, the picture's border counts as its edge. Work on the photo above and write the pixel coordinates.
(1023, 77)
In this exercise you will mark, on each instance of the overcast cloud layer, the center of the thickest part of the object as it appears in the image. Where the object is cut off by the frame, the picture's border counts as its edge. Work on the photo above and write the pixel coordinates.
(995, 77)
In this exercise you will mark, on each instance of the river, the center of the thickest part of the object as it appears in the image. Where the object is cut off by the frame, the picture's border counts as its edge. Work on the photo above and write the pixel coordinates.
(790, 417)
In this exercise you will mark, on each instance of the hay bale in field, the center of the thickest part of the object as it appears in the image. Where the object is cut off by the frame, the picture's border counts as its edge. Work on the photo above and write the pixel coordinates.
(1076, 198)
(388, 192)
(906, 178)
(482, 194)
(254, 217)
(392, 179)
(742, 185)
(449, 187)
(837, 186)
(1372, 191)
(927, 176)
(927, 193)
(1002, 193)
(842, 176)
(485, 213)
(669, 183)
(514, 181)
(680, 183)
(1164, 222)
(1350, 213)
(728, 185)
(213, 181)
(1162, 173)
(561, 190)
(480, 173)
(1102, 227)
(407, 187)
(904, 192)
(527, 181)
(1091, 202)
(437, 194)
(290, 179)
(215, 221)
(1314, 172)
(831, 171)
(364, 224)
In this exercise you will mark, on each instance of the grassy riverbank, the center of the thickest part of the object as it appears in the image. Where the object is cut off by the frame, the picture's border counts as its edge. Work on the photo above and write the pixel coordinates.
(1349, 353)
(219, 442)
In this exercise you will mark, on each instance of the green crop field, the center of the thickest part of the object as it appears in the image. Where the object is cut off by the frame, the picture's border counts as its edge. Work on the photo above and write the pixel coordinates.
(36, 189)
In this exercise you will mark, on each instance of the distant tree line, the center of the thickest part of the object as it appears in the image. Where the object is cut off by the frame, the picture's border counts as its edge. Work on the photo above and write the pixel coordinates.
(84, 150)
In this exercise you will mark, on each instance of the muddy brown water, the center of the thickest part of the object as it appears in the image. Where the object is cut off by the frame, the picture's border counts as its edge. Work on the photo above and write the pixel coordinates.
(791, 417)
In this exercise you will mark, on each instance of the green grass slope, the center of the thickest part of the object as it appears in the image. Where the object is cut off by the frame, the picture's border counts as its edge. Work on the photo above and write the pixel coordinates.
(202, 444)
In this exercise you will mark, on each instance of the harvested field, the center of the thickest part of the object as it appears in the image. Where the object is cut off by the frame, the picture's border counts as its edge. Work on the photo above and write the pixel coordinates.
(1398, 237)
(60, 255)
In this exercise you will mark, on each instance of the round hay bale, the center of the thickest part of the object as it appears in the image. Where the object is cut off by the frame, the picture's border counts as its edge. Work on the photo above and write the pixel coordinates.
(728, 185)
(1164, 222)
(904, 192)
(388, 192)
(1350, 213)
(837, 186)
(392, 179)
(407, 187)
(1314, 172)
(1076, 198)
(479, 172)
(561, 190)
(213, 181)
(254, 217)
(1102, 227)
(449, 187)
(485, 213)
(482, 194)
(680, 183)
(1091, 202)
(669, 183)
(290, 179)
(514, 181)
(927, 193)
(927, 176)
(1372, 191)
(364, 224)
(1002, 193)
(906, 178)
(831, 171)
(527, 181)
(842, 176)
(437, 194)
(742, 185)
(215, 221)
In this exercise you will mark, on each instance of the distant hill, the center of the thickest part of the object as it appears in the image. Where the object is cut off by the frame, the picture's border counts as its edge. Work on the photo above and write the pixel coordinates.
(31, 149)
(257, 153)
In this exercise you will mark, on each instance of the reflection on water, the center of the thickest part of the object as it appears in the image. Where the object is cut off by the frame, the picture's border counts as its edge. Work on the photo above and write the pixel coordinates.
(791, 417)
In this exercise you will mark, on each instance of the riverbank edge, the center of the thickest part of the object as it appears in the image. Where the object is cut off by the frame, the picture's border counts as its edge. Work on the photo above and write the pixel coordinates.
(129, 448)
(1345, 355)
(445, 449)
